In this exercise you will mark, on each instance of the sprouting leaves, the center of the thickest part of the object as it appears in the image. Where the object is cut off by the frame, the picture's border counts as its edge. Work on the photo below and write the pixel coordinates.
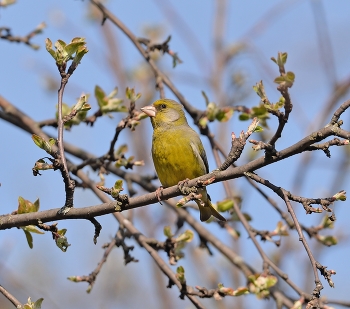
(224, 205)
(41, 143)
(121, 160)
(75, 50)
(61, 240)
(25, 206)
(31, 305)
(231, 292)
(340, 196)
(260, 284)
(281, 59)
(285, 79)
(75, 114)
(131, 94)
(213, 112)
(176, 244)
(109, 103)
(180, 274)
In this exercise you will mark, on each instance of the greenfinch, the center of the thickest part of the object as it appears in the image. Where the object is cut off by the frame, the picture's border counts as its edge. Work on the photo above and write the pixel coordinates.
(177, 151)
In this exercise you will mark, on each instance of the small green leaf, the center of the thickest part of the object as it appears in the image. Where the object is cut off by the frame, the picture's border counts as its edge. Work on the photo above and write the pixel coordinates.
(327, 223)
(258, 129)
(52, 141)
(291, 76)
(180, 274)
(340, 196)
(283, 58)
(205, 98)
(25, 206)
(61, 241)
(48, 45)
(100, 96)
(29, 238)
(187, 236)
(167, 232)
(82, 50)
(37, 304)
(41, 143)
(32, 229)
(117, 188)
(62, 232)
(244, 117)
(327, 240)
(224, 205)
(122, 149)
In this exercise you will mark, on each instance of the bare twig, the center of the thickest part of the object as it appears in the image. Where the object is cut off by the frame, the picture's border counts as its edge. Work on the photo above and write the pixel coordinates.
(10, 297)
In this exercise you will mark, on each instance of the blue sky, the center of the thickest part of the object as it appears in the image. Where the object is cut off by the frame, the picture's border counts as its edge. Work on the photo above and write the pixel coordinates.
(266, 27)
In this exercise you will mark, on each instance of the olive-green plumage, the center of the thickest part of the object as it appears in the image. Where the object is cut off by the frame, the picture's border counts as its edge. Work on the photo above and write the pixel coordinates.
(177, 150)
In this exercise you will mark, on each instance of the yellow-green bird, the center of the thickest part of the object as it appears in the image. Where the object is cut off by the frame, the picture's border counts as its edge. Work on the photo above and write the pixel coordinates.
(177, 150)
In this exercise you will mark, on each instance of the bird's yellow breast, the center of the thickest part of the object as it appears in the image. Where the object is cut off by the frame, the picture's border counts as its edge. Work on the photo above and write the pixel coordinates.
(176, 155)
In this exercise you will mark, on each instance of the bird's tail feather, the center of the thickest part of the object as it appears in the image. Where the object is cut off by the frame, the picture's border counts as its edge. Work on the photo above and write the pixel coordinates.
(208, 209)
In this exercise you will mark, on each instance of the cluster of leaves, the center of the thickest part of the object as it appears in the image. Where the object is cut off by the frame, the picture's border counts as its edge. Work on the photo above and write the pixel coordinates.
(121, 160)
(75, 114)
(25, 206)
(31, 305)
(109, 103)
(75, 50)
(214, 112)
(260, 284)
(178, 243)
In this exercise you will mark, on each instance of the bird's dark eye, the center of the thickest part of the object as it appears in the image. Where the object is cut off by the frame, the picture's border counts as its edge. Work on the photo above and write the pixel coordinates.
(163, 106)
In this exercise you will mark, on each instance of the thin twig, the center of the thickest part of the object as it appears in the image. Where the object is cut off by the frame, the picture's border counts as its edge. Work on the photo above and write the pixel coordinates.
(10, 297)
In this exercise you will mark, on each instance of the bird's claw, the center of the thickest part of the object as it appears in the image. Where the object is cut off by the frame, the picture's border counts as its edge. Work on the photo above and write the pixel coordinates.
(184, 188)
(159, 193)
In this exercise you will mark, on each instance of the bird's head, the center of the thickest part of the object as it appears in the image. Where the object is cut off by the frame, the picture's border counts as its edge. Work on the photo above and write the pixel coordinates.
(165, 112)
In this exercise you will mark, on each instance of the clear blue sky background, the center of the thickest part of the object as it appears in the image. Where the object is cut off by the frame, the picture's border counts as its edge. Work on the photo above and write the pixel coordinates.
(268, 27)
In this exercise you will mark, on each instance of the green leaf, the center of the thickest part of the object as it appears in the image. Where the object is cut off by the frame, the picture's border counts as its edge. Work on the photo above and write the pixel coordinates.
(224, 114)
(36, 205)
(62, 242)
(187, 236)
(122, 150)
(205, 98)
(48, 45)
(340, 196)
(327, 223)
(25, 206)
(258, 129)
(291, 76)
(283, 58)
(180, 274)
(231, 292)
(41, 143)
(82, 50)
(244, 117)
(100, 97)
(52, 141)
(117, 188)
(29, 238)
(225, 205)
(32, 229)
(327, 240)
(167, 232)
(37, 304)
(259, 110)
(130, 94)
(73, 47)
(62, 232)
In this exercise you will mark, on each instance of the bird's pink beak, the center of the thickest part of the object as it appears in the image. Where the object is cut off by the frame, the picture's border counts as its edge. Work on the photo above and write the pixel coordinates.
(149, 110)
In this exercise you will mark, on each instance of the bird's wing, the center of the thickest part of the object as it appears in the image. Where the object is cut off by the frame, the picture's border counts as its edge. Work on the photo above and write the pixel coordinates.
(199, 151)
